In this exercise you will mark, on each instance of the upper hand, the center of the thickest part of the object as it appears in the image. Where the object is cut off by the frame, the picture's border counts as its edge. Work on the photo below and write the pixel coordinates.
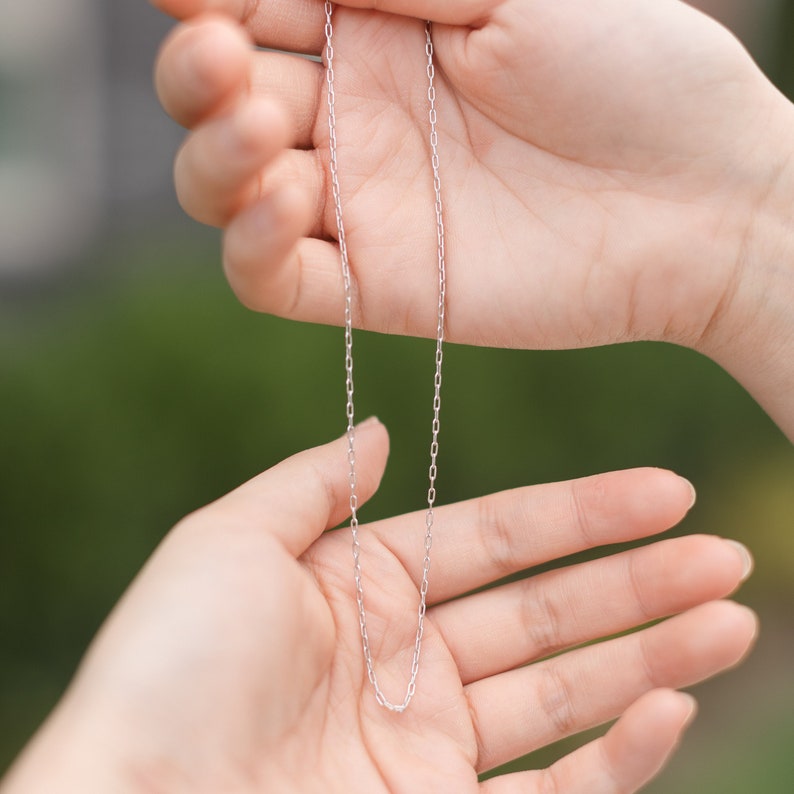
(234, 662)
(611, 170)
(601, 162)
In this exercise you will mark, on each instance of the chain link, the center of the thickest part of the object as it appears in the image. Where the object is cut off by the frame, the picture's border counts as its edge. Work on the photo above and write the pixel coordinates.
(349, 382)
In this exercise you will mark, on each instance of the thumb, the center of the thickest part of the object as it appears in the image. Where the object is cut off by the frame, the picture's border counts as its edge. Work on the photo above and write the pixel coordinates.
(298, 499)
(451, 12)
(259, 17)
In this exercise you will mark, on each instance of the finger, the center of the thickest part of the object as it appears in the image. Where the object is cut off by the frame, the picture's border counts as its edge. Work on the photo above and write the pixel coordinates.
(473, 13)
(183, 9)
(632, 752)
(479, 541)
(637, 747)
(219, 168)
(298, 25)
(294, 82)
(292, 25)
(269, 267)
(202, 68)
(566, 607)
(306, 494)
(208, 65)
(517, 712)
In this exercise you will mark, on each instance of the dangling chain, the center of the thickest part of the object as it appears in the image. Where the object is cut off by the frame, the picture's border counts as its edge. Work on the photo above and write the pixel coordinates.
(350, 410)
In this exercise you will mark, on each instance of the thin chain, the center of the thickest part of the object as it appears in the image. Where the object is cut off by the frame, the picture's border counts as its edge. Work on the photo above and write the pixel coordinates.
(349, 384)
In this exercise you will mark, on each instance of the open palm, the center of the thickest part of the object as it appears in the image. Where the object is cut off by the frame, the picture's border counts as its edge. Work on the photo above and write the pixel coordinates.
(593, 154)
(234, 662)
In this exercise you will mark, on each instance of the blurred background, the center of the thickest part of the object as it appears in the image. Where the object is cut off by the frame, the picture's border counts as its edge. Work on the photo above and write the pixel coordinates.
(134, 388)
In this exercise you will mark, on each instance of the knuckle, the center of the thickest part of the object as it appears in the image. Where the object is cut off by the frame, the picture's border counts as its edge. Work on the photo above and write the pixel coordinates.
(548, 781)
(494, 524)
(540, 619)
(479, 740)
(555, 701)
(587, 498)
(645, 662)
(638, 584)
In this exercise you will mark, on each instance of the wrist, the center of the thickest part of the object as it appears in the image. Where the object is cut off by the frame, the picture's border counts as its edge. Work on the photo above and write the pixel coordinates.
(62, 757)
(752, 332)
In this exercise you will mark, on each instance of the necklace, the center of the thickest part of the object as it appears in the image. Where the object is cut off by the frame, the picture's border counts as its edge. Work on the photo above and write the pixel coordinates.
(349, 385)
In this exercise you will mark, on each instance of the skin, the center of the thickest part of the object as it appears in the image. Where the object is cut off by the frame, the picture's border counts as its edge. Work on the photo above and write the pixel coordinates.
(233, 663)
(612, 171)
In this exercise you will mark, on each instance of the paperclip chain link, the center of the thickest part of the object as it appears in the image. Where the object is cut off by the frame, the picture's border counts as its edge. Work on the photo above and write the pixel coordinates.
(349, 382)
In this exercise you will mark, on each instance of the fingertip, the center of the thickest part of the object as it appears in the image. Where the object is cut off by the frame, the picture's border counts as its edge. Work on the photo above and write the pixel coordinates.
(699, 568)
(630, 504)
(701, 642)
(718, 566)
(749, 627)
(644, 739)
(692, 713)
(666, 711)
(663, 499)
(670, 706)
(734, 627)
(202, 67)
(673, 490)
(370, 423)
(184, 9)
(218, 171)
(257, 245)
(374, 434)
(745, 558)
(693, 494)
(301, 497)
(371, 449)
(284, 208)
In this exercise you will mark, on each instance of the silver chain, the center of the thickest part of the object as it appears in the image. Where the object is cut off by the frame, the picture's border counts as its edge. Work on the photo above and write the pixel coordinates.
(350, 407)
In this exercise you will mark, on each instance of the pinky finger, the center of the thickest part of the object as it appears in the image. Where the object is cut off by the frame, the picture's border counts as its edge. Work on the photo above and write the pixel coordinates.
(631, 753)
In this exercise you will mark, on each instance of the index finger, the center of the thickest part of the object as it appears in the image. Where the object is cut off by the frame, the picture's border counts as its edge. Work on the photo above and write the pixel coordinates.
(482, 540)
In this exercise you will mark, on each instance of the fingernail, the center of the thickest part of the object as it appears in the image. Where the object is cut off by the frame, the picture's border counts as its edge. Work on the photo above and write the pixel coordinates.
(754, 619)
(693, 710)
(371, 422)
(747, 558)
(693, 492)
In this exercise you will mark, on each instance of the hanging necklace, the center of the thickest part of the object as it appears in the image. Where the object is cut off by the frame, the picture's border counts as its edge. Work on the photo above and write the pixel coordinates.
(350, 408)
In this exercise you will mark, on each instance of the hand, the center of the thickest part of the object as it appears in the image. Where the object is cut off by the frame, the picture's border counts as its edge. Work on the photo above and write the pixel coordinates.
(234, 662)
(612, 171)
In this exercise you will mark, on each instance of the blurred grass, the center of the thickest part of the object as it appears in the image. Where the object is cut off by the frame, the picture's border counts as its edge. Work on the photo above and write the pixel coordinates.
(135, 399)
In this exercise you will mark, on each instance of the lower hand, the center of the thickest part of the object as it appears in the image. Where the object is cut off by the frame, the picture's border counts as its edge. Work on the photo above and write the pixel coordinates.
(234, 662)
